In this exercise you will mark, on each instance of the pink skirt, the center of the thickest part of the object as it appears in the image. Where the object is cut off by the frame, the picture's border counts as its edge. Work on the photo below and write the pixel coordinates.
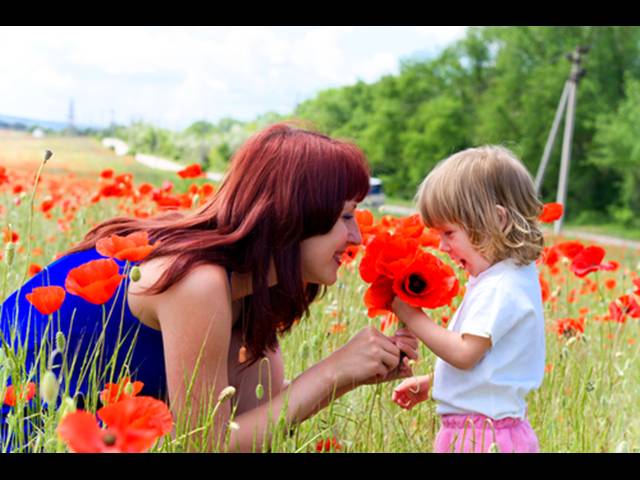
(508, 435)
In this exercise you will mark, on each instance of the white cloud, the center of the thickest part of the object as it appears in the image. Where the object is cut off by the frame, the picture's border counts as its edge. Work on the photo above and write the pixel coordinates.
(176, 75)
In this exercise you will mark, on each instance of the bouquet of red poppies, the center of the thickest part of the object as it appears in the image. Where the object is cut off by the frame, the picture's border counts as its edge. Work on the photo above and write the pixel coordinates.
(394, 263)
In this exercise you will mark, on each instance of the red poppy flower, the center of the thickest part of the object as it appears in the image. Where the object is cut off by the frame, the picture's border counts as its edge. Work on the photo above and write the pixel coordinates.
(569, 327)
(11, 398)
(636, 282)
(426, 282)
(192, 171)
(133, 247)
(106, 173)
(589, 260)
(551, 212)
(385, 253)
(47, 205)
(430, 238)
(622, 307)
(570, 249)
(411, 226)
(46, 299)
(133, 426)
(34, 268)
(9, 235)
(544, 287)
(207, 190)
(550, 256)
(95, 281)
(350, 253)
(379, 296)
(145, 188)
(115, 392)
(328, 445)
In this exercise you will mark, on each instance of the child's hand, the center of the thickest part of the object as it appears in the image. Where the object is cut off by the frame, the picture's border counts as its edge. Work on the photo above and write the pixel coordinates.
(412, 391)
(406, 313)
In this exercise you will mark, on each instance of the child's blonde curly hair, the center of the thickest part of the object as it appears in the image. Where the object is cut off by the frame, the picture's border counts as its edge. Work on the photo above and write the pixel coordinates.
(466, 188)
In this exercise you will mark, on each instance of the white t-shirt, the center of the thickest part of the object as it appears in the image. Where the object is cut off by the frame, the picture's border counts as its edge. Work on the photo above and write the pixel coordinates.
(503, 303)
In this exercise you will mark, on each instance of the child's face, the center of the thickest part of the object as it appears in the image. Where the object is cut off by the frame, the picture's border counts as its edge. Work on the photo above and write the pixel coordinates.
(455, 241)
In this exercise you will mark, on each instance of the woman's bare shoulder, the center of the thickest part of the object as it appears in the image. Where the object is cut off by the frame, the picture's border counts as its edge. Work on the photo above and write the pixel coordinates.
(201, 284)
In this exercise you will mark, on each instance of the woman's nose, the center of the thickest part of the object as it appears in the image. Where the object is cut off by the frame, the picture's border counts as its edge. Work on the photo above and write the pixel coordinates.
(355, 237)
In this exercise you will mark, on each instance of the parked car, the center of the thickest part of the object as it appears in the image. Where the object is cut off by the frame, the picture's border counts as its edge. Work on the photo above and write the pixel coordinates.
(375, 197)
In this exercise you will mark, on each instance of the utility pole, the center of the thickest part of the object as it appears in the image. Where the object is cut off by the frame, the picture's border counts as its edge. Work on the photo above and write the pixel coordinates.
(71, 118)
(568, 101)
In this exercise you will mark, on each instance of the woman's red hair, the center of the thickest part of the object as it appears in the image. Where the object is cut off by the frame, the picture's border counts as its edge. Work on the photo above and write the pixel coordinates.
(284, 185)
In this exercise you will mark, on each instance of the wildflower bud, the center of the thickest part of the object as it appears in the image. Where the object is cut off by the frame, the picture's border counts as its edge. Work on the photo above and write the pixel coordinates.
(9, 253)
(68, 405)
(571, 341)
(195, 200)
(493, 448)
(226, 393)
(60, 341)
(49, 387)
(234, 426)
(47, 155)
(259, 391)
(128, 389)
(135, 274)
(412, 363)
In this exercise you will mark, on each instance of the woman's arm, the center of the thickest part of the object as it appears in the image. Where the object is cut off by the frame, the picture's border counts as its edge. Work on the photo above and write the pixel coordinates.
(461, 351)
(195, 319)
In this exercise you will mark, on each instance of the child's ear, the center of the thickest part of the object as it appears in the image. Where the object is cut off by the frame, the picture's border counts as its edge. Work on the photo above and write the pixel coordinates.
(502, 216)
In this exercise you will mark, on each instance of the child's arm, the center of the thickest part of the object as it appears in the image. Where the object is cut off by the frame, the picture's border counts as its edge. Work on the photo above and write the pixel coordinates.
(461, 351)
(412, 391)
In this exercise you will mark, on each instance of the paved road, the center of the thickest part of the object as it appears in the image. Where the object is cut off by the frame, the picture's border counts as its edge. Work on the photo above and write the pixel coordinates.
(571, 233)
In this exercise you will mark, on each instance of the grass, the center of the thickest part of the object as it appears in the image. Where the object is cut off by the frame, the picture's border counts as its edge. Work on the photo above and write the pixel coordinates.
(587, 401)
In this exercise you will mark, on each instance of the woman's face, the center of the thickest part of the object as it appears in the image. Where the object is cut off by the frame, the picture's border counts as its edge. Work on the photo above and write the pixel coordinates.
(321, 254)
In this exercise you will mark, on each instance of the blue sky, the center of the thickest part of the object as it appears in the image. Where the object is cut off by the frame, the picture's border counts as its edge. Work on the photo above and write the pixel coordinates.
(173, 76)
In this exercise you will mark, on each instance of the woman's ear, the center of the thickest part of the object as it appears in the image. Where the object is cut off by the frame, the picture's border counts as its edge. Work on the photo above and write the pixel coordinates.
(502, 216)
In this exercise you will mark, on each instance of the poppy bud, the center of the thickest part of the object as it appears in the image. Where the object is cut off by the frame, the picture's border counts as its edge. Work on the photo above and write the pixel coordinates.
(49, 387)
(68, 405)
(493, 448)
(60, 341)
(128, 389)
(9, 253)
(195, 200)
(259, 391)
(47, 155)
(226, 393)
(135, 274)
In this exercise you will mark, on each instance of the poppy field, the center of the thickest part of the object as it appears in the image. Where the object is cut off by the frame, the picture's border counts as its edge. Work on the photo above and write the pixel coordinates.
(591, 294)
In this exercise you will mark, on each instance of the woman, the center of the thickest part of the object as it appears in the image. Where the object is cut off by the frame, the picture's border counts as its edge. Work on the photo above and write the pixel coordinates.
(223, 281)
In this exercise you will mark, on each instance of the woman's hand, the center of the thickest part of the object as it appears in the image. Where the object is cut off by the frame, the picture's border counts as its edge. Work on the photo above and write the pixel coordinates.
(369, 357)
(407, 342)
(412, 391)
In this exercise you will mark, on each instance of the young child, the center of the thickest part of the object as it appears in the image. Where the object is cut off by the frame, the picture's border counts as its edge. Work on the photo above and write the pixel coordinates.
(483, 203)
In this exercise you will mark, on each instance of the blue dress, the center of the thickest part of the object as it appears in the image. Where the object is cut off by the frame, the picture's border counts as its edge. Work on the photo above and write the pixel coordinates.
(81, 323)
